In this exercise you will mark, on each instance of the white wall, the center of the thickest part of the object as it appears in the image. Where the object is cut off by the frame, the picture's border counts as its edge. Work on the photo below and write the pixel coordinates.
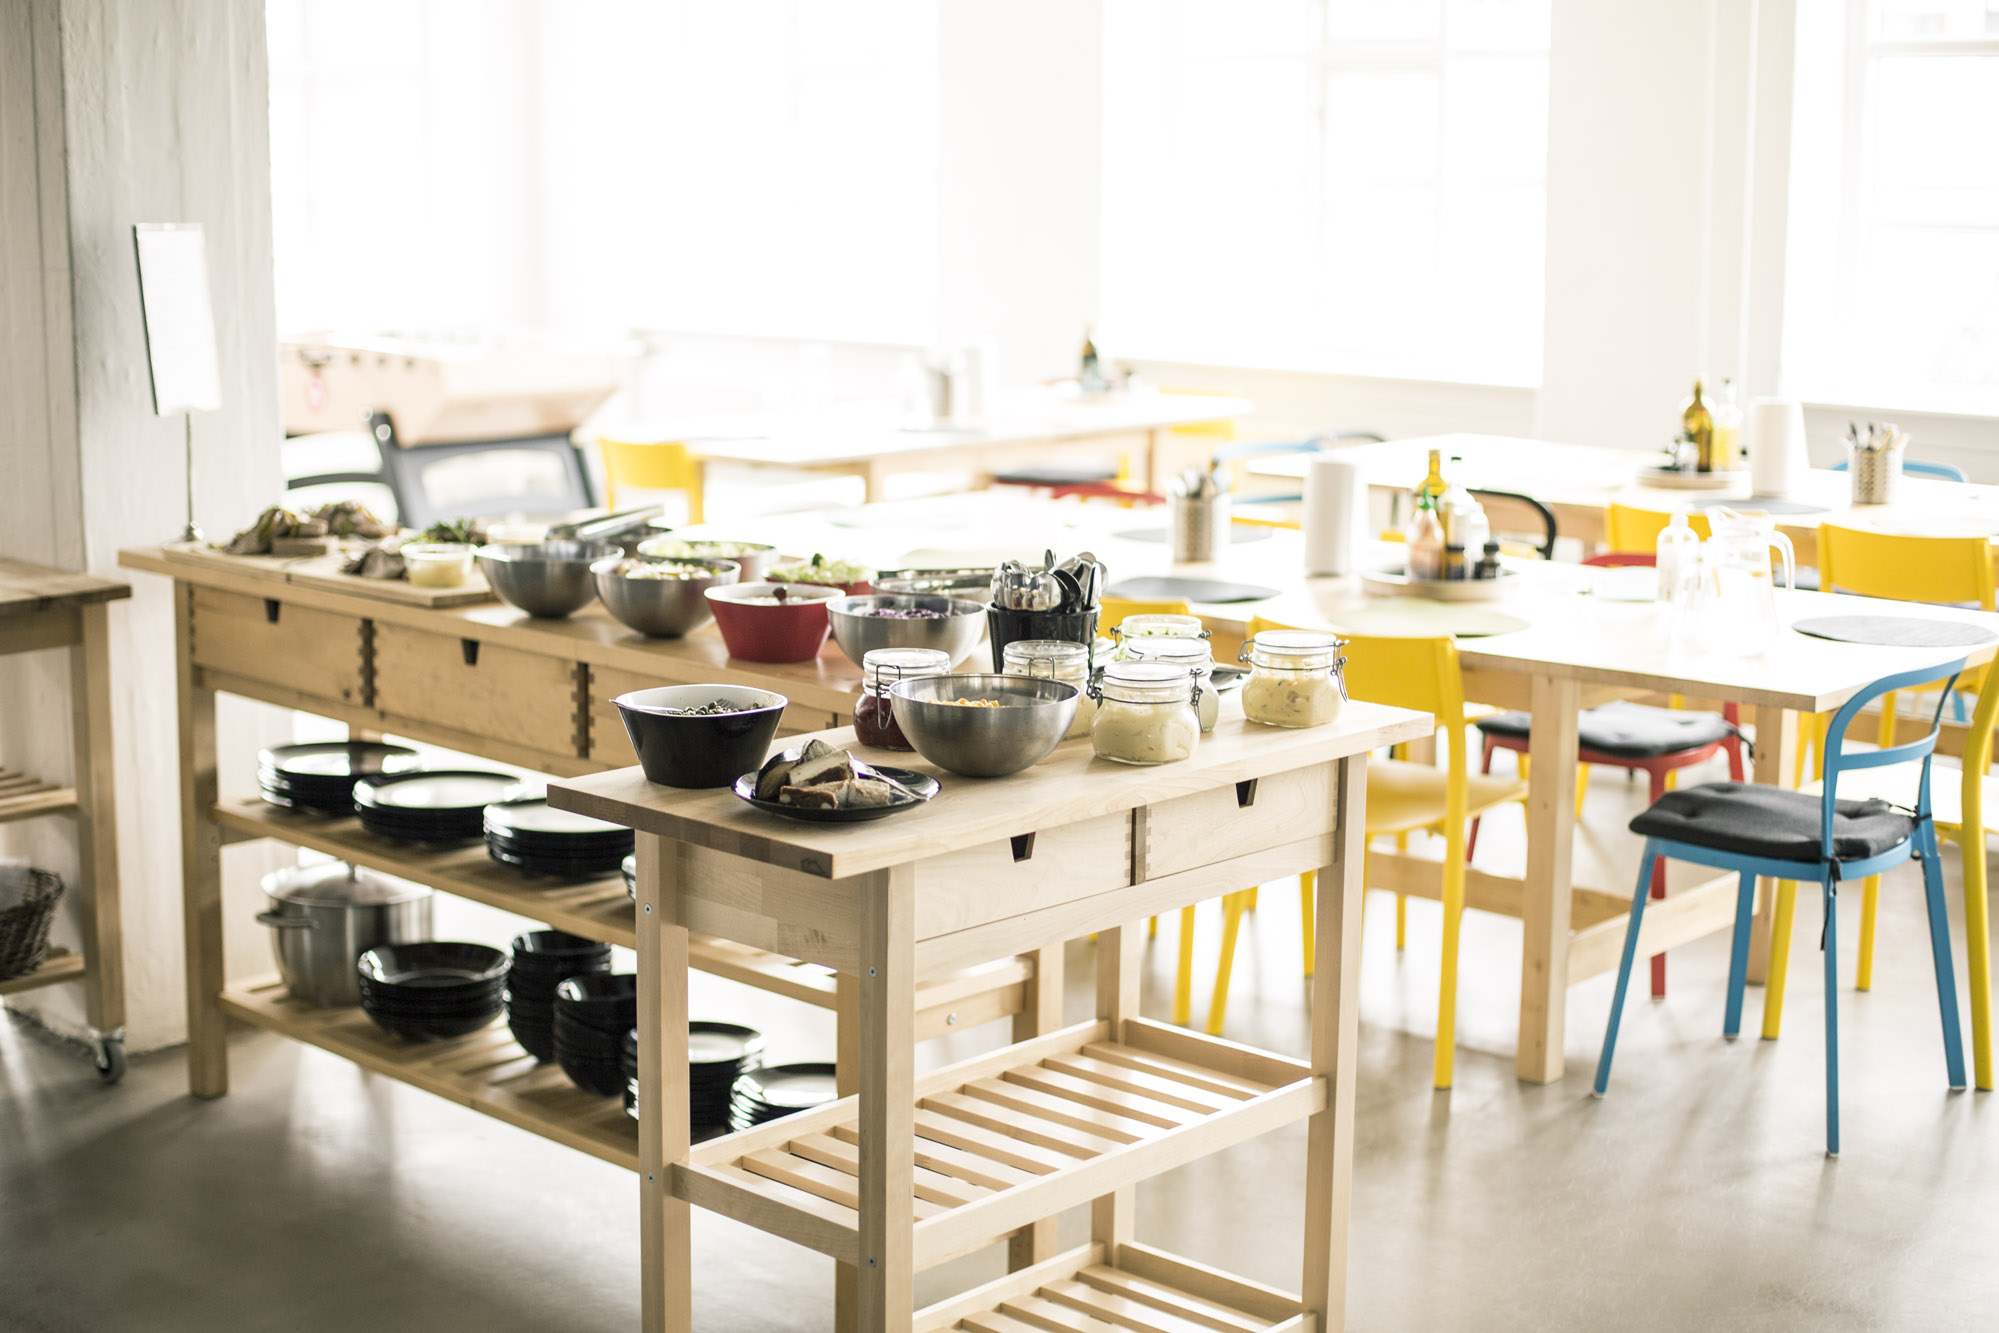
(143, 110)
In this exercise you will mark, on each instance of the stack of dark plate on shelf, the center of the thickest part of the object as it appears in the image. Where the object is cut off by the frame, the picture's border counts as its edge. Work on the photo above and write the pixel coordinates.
(320, 777)
(717, 1055)
(593, 1012)
(629, 868)
(436, 806)
(542, 960)
(529, 833)
(632, 1073)
(763, 1095)
(432, 990)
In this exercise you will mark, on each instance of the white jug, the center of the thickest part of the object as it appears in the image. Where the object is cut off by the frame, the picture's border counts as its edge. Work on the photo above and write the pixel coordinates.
(1735, 607)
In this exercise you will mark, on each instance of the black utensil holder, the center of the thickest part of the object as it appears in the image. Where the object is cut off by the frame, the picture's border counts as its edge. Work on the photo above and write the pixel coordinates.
(1007, 627)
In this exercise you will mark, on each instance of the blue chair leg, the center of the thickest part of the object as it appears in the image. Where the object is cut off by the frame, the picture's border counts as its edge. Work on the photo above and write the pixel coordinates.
(1624, 967)
(1738, 955)
(1831, 1021)
(1953, 1042)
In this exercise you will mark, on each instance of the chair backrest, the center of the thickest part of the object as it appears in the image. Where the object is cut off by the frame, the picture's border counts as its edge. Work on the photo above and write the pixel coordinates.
(1623, 559)
(652, 465)
(1838, 759)
(1941, 471)
(1112, 611)
(1517, 515)
(1906, 568)
(1630, 528)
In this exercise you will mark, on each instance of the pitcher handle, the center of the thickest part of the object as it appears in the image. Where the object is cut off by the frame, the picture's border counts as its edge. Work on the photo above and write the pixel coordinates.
(1783, 544)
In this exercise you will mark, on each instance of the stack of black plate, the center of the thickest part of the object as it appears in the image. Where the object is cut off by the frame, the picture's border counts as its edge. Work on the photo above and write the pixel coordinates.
(321, 776)
(763, 1095)
(542, 959)
(432, 990)
(717, 1055)
(632, 1073)
(527, 832)
(439, 806)
(593, 1013)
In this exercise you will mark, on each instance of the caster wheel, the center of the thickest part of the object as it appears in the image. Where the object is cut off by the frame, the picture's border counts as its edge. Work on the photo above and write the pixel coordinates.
(110, 1060)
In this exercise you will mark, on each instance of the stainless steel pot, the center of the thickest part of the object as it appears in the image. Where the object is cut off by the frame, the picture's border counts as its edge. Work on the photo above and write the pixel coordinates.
(324, 917)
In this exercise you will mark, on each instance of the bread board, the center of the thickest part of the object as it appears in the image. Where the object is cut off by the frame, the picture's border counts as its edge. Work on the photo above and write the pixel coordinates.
(323, 571)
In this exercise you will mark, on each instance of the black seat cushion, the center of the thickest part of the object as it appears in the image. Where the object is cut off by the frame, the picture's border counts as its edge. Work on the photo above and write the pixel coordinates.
(1057, 474)
(1756, 820)
(1627, 730)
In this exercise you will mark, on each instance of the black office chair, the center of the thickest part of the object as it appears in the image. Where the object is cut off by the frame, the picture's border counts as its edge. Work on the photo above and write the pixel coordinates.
(535, 475)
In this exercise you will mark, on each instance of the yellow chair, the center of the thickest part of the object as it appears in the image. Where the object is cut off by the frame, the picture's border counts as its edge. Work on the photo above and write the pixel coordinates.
(1964, 812)
(652, 465)
(1405, 797)
(1630, 528)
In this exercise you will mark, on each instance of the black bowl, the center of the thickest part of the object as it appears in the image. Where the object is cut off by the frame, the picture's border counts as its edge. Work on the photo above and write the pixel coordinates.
(422, 964)
(554, 948)
(706, 751)
(605, 1000)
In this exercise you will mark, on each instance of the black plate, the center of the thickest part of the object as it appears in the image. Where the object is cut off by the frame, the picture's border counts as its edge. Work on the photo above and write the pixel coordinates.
(530, 820)
(436, 791)
(922, 784)
(336, 762)
(557, 867)
(793, 1087)
(721, 1043)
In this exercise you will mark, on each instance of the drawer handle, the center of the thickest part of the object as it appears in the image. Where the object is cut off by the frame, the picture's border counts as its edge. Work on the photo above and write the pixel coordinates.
(271, 608)
(1023, 846)
(469, 647)
(1245, 794)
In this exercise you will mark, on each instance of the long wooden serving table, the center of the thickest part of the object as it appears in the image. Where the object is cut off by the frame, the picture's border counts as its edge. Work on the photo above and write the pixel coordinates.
(912, 1171)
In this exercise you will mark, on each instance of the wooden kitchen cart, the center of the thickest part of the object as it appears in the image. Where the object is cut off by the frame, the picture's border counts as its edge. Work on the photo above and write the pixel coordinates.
(49, 608)
(914, 1170)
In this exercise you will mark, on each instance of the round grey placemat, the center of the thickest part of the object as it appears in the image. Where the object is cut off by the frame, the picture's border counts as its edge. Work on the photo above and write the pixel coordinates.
(1190, 590)
(1238, 534)
(1760, 504)
(1897, 631)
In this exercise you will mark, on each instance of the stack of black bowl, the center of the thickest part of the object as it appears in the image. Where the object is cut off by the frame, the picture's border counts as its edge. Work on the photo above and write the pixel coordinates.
(438, 806)
(321, 776)
(717, 1055)
(543, 959)
(632, 1073)
(593, 1012)
(527, 832)
(432, 990)
(763, 1095)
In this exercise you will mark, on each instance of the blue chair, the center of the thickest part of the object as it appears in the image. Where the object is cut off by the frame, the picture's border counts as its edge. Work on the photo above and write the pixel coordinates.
(1788, 835)
(1941, 471)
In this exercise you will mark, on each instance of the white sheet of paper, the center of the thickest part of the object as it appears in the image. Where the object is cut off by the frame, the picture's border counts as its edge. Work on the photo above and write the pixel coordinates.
(180, 323)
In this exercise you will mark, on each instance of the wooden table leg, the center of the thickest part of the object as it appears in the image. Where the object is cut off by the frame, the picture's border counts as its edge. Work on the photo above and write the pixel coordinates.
(200, 864)
(1041, 1013)
(96, 819)
(1776, 751)
(1335, 1042)
(1155, 440)
(1120, 952)
(846, 1081)
(1551, 830)
(887, 986)
(666, 1259)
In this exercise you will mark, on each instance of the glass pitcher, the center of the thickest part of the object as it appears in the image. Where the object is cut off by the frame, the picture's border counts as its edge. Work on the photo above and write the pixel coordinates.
(1735, 606)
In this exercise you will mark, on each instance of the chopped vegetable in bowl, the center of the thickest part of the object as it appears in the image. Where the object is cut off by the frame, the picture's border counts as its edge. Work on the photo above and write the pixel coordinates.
(821, 570)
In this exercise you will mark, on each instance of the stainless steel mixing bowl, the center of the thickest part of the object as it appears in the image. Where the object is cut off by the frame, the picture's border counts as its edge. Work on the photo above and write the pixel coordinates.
(859, 633)
(549, 579)
(662, 608)
(1031, 719)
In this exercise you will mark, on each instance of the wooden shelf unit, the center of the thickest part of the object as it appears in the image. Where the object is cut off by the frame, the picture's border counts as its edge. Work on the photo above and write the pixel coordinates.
(24, 797)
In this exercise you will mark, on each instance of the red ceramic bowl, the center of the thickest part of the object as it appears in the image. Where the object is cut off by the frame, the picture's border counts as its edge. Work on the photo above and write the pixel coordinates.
(759, 629)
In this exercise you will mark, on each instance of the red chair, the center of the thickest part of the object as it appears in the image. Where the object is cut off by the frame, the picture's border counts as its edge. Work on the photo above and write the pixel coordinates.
(1656, 741)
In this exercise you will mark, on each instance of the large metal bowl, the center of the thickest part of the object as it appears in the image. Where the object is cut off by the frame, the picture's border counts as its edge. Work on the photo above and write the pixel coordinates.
(1032, 717)
(859, 633)
(662, 608)
(550, 579)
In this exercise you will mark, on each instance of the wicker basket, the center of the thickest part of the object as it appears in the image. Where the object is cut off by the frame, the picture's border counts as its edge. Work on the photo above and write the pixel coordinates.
(24, 927)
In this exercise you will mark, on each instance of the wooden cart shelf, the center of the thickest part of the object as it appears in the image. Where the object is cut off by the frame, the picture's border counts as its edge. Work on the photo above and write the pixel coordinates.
(59, 965)
(1009, 1138)
(24, 797)
(487, 1071)
(1144, 1291)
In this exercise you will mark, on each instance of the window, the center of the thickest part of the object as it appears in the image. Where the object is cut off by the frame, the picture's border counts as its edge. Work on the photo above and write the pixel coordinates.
(1328, 185)
(1892, 289)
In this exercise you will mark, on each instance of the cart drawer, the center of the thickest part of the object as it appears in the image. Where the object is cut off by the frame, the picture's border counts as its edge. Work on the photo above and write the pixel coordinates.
(962, 889)
(611, 747)
(1192, 831)
(485, 689)
(318, 653)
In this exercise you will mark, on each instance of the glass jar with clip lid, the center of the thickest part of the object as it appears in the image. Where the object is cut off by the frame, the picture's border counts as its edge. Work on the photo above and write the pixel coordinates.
(1056, 659)
(1191, 655)
(1146, 713)
(874, 712)
(1297, 677)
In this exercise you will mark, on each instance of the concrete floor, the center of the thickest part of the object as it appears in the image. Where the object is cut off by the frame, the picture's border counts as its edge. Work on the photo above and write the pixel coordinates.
(319, 1198)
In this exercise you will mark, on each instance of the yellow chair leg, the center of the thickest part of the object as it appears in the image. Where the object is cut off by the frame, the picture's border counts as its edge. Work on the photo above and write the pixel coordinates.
(1978, 953)
(1582, 787)
(1447, 982)
(695, 498)
(1251, 907)
(1183, 982)
(1151, 927)
(1401, 902)
(1308, 887)
(1870, 907)
(1780, 959)
(1233, 906)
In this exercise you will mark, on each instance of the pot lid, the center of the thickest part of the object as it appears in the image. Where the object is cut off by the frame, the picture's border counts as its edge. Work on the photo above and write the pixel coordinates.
(336, 884)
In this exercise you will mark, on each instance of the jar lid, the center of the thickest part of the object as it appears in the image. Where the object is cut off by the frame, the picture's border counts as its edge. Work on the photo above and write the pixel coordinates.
(893, 664)
(1156, 623)
(339, 885)
(1181, 652)
(1056, 652)
(1296, 642)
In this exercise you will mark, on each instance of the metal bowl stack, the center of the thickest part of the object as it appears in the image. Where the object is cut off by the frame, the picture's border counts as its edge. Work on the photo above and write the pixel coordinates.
(954, 629)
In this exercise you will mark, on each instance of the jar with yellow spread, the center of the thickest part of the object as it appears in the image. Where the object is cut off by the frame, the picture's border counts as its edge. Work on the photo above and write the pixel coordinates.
(1296, 678)
(1192, 656)
(1146, 714)
(1056, 659)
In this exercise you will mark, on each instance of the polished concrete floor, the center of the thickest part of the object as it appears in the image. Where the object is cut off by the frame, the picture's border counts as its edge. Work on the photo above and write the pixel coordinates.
(1697, 1196)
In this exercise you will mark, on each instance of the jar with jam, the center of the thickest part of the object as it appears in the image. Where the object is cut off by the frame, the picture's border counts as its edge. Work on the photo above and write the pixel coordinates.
(1296, 678)
(874, 711)
(1146, 714)
(1056, 659)
(1194, 657)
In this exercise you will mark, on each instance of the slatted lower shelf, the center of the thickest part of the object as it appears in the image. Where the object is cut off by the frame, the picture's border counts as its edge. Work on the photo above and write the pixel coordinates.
(23, 796)
(1143, 1291)
(1010, 1138)
(487, 1071)
(60, 965)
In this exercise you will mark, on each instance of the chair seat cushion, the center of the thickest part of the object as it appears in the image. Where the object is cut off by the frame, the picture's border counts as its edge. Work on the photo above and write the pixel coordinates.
(1402, 795)
(1627, 730)
(1057, 474)
(1758, 820)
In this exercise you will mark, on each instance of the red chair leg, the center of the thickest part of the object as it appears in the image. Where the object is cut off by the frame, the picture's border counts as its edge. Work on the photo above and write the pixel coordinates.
(1658, 789)
(1484, 766)
(1733, 712)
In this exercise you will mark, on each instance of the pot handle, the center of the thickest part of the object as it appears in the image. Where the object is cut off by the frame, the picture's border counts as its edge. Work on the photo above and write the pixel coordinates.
(276, 922)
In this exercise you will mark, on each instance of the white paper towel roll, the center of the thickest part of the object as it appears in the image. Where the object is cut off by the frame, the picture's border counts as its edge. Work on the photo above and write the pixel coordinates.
(1777, 457)
(1335, 517)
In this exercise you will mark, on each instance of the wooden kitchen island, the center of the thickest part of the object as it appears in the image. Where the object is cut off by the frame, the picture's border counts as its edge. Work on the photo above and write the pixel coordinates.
(913, 1170)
